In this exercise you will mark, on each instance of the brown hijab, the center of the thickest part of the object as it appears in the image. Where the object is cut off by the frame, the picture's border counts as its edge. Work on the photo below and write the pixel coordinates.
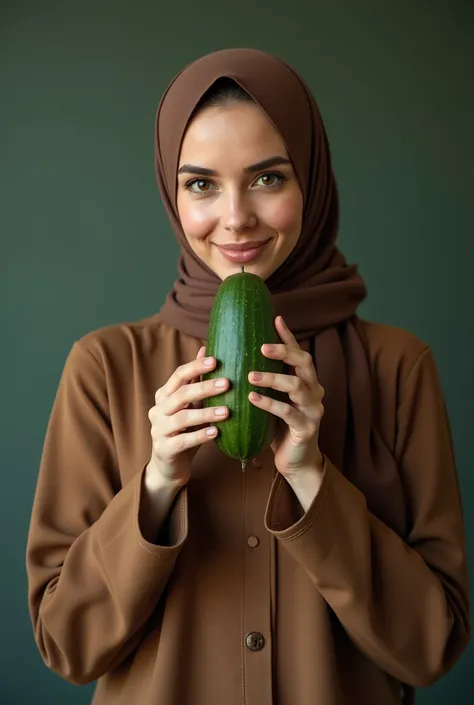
(315, 290)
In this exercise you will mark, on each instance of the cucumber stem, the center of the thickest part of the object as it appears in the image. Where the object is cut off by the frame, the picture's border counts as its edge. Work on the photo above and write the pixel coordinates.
(242, 269)
(243, 464)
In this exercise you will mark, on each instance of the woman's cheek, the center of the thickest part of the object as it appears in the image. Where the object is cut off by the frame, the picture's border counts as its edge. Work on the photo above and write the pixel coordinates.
(284, 214)
(196, 220)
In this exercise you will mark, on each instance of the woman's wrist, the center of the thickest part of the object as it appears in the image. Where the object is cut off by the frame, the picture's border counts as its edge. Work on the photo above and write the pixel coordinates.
(306, 484)
(158, 495)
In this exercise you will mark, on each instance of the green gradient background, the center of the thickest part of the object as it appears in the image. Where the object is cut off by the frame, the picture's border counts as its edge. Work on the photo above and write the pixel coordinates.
(84, 240)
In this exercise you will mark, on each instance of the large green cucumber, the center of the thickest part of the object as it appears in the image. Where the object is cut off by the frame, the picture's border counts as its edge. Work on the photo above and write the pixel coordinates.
(241, 320)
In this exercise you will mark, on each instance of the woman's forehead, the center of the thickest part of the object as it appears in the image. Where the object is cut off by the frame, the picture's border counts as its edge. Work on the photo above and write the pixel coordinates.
(235, 127)
(273, 85)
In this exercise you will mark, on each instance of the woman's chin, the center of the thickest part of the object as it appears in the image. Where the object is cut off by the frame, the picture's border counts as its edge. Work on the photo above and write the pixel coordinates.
(261, 269)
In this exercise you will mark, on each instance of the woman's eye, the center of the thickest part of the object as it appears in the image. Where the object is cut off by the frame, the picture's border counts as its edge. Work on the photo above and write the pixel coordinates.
(199, 185)
(270, 180)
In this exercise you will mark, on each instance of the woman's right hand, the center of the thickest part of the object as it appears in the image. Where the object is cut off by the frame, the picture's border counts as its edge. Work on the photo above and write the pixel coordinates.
(179, 423)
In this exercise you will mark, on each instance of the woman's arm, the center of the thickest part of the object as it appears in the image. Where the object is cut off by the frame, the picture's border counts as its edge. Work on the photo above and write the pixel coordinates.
(405, 604)
(95, 569)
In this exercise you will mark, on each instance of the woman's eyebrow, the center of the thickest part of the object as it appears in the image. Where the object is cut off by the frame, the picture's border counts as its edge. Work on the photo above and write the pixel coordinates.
(204, 171)
(198, 170)
(266, 164)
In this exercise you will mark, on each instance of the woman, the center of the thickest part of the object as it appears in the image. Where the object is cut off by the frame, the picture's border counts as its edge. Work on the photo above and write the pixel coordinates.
(333, 570)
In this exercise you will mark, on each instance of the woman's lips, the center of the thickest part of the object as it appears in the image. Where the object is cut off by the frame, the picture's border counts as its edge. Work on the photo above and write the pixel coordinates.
(241, 256)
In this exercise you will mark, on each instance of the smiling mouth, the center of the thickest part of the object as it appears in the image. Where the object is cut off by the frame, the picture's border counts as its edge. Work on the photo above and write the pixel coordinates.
(241, 256)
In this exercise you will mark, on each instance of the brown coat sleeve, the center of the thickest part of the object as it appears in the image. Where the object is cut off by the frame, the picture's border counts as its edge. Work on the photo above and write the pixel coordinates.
(405, 604)
(93, 579)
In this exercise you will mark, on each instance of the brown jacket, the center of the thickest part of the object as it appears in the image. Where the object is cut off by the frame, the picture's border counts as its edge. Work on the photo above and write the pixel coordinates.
(243, 599)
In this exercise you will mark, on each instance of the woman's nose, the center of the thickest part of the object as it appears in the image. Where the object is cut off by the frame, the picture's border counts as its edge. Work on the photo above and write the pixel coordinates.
(238, 215)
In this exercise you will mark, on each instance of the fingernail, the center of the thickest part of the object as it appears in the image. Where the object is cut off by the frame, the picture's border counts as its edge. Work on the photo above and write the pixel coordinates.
(255, 396)
(208, 361)
(220, 411)
(211, 431)
(219, 383)
(257, 375)
(269, 348)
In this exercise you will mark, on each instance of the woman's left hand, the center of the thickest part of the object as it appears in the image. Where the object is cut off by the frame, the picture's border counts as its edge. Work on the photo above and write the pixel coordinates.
(296, 444)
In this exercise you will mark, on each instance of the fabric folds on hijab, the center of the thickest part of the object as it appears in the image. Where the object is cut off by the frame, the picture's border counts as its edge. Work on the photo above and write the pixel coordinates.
(315, 290)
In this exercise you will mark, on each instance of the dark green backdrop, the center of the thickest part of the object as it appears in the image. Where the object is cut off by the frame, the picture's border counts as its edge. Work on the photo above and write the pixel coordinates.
(85, 242)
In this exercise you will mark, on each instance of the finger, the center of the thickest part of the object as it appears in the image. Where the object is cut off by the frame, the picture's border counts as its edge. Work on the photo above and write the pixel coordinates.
(187, 418)
(178, 444)
(201, 353)
(295, 357)
(185, 374)
(284, 332)
(292, 416)
(195, 392)
(290, 384)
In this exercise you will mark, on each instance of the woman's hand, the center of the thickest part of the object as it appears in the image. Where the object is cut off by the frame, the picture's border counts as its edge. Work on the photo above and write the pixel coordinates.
(179, 423)
(179, 426)
(296, 444)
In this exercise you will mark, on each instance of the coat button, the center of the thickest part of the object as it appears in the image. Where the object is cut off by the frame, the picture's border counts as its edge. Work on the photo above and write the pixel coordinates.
(252, 541)
(255, 641)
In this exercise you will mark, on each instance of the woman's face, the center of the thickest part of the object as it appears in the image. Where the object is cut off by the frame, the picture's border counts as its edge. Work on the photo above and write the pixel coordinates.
(237, 188)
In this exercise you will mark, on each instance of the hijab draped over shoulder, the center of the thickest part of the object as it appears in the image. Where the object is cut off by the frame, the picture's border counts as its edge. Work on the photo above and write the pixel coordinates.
(315, 290)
